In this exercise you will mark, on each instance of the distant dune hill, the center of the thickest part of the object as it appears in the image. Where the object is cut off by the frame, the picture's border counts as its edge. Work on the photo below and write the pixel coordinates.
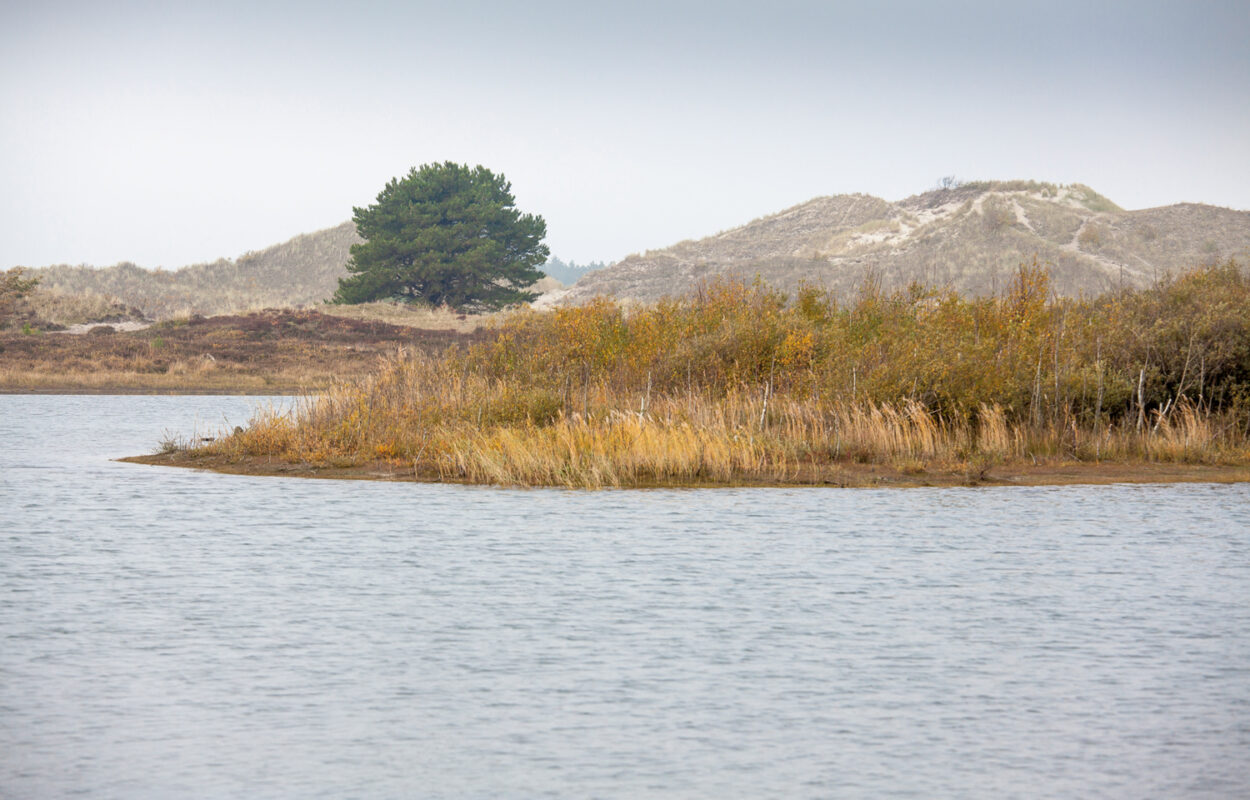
(970, 238)
(302, 271)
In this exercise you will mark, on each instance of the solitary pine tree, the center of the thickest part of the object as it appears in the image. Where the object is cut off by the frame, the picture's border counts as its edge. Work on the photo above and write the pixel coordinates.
(446, 234)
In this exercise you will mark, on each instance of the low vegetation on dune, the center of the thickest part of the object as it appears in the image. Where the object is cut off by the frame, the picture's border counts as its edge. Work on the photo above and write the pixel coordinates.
(27, 305)
(423, 316)
(739, 384)
(300, 272)
(966, 236)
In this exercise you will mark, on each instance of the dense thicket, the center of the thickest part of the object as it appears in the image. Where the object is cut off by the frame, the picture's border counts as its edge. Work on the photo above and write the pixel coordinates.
(1039, 357)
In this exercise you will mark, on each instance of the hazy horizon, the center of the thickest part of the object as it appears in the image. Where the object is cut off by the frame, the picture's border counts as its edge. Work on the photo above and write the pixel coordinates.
(169, 137)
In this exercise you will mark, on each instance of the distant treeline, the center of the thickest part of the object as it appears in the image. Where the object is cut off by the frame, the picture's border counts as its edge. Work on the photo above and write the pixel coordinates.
(568, 272)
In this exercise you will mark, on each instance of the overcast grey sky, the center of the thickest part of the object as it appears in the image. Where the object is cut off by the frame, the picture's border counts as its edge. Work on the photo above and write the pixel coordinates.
(172, 133)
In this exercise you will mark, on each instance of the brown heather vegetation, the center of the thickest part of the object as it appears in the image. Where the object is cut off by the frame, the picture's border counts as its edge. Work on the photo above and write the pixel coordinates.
(738, 384)
(272, 352)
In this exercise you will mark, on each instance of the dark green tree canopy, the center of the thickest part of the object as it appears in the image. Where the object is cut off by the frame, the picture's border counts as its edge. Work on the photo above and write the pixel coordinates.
(445, 234)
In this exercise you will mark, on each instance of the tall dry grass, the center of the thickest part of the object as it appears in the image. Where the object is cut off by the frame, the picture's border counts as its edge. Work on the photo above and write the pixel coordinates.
(411, 315)
(418, 414)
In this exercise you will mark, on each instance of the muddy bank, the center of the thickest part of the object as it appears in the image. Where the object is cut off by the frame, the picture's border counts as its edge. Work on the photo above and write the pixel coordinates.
(847, 475)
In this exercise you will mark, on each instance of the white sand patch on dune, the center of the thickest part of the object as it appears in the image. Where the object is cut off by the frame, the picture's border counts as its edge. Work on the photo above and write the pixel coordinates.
(548, 300)
(83, 327)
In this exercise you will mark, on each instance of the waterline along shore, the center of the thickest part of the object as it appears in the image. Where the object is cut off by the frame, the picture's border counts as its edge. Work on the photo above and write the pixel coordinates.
(847, 475)
(738, 384)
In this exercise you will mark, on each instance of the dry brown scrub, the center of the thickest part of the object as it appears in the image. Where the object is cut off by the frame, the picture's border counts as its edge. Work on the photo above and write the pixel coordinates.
(274, 352)
(738, 385)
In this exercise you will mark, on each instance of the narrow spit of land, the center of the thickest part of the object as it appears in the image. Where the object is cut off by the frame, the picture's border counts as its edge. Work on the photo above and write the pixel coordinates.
(740, 385)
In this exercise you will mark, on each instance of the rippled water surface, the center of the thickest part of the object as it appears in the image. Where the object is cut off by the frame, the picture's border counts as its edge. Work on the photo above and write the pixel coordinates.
(171, 633)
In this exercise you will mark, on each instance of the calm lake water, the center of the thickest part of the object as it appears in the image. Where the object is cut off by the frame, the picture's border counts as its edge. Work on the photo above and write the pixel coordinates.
(168, 633)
